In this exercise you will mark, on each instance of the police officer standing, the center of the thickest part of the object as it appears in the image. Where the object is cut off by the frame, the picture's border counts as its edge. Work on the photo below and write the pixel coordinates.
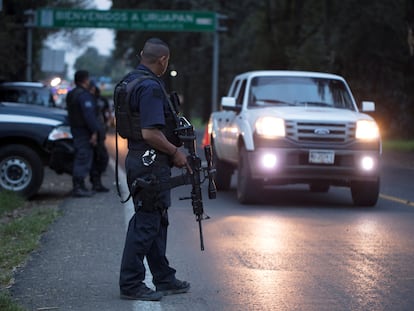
(100, 153)
(84, 127)
(151, 153)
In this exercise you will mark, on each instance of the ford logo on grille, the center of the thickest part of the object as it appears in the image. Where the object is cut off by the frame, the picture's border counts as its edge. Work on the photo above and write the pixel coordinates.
(321, 131)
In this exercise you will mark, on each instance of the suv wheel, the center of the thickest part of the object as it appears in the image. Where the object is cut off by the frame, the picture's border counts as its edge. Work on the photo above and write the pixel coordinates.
(365, 193)
(21, 170)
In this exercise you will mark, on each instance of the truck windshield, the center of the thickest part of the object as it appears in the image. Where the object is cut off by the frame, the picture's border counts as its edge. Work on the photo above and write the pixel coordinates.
(299, 91)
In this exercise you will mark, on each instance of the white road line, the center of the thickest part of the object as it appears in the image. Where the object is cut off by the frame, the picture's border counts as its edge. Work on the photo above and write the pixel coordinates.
(395, 199)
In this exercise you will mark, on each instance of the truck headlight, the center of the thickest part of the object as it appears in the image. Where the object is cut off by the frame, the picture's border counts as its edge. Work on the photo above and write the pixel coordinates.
(270, 127)
(60, 132)
(367, 130)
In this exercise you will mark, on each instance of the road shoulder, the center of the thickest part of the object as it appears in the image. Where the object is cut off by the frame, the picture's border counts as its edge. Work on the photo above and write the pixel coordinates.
(76, 266)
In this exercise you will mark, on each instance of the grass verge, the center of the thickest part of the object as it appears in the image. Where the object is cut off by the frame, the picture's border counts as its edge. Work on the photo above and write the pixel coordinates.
(7, 304)
(21, 225)
(399, 145)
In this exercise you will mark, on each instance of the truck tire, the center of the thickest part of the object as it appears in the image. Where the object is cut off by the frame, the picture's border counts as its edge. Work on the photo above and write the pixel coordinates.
(223, 173)
(21, 170)
(365, 193)
(247, 189)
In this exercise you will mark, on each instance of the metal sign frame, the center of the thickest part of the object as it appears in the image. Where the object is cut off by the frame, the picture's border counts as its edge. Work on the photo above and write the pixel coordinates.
(147, 20)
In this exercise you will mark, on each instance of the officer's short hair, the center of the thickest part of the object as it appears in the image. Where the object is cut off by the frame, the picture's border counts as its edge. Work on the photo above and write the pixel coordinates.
(154, 48)
(81, 76)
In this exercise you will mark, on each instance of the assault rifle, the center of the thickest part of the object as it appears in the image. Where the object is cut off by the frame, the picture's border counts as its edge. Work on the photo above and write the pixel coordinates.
(200, 174)
(185, 132)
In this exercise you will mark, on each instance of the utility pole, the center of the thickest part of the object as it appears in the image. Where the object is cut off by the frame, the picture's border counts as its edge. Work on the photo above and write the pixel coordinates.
(30, 24)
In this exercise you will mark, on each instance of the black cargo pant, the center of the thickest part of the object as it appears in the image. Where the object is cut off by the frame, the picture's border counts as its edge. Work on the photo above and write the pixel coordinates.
(100, 155)
(83, 153)
(147, 229)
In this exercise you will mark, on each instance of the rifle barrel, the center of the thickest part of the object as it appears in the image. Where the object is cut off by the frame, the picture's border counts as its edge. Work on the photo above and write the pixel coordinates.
(201, 234)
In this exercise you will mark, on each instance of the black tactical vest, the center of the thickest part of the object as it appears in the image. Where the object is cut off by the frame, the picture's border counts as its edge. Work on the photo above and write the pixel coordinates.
(128, 123)
(74, 110)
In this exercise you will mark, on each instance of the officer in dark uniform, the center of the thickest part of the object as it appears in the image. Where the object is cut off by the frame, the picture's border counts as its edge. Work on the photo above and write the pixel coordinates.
(84, 126)
(100, 153)
(151, 154)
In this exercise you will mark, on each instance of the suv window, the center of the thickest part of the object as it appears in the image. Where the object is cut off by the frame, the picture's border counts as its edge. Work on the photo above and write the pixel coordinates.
(27, 93)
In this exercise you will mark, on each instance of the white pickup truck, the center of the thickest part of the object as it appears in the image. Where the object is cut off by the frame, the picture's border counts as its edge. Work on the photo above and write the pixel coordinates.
(295, 127)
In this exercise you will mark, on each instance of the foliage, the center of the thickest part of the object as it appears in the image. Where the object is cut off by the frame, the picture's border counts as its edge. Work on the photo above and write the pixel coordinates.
(7, 304)
(399, 145)
(9, 201)
(100, 65)
(19, 235)
(92, 60)
(21, 225)
(13, 36)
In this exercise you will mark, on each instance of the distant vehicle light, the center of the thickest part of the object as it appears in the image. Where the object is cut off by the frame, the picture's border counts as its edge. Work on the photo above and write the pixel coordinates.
(62, 91)
(55, 81)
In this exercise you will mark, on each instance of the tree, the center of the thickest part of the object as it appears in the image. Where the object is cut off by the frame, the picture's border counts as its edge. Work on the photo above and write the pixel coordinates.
(92, 61)
(364, 41)
(13, 35)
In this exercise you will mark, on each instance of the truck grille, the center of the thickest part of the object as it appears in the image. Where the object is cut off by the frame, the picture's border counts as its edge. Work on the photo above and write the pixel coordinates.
(320, 132)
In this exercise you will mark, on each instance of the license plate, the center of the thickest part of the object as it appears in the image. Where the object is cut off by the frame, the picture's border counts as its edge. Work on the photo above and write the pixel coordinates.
(321, 156)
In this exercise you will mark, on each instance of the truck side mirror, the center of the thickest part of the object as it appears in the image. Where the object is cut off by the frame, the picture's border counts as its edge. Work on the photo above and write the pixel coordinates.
(229, 103)
(368, 106)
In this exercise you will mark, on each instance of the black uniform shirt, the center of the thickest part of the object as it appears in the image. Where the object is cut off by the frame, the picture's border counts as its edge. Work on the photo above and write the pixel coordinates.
(150, 101)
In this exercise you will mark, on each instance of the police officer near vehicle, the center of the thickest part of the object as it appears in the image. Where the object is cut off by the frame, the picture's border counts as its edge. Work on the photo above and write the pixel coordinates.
(151, 153)
(85, 127)
(100, 153)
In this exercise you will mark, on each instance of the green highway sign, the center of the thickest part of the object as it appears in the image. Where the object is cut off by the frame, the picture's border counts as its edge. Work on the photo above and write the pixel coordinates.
(127, 19)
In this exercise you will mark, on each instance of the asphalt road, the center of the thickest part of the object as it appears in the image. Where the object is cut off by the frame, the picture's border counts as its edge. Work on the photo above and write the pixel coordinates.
(294, 251)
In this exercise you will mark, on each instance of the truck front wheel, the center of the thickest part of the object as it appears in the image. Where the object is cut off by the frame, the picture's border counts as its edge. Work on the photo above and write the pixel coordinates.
(247, 189)
(365, 193)
(21, 170)
(223, 173)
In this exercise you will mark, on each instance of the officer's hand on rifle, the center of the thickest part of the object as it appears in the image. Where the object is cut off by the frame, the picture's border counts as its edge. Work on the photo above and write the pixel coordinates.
(94, 139)
(180, 160)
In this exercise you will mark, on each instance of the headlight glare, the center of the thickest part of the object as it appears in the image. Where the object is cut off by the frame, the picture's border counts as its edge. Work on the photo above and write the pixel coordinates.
(367, 130)
(367, 163)
(269, 161)
(270, 127)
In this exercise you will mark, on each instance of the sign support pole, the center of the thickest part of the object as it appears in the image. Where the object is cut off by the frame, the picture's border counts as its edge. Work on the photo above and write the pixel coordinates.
(29, 44)
(214, 84)
(216, 57)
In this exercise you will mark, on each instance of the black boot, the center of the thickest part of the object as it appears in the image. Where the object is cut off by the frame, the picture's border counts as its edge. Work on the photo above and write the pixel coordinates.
(97, 184)
(79, 189)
